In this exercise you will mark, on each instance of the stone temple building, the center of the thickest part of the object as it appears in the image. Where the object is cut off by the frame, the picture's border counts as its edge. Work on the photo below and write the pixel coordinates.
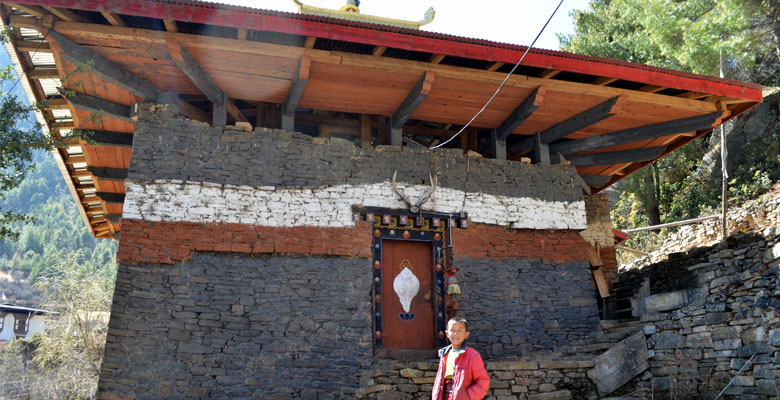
(285, 230)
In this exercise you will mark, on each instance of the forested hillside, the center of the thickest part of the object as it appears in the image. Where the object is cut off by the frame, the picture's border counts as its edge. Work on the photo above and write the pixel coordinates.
(741, 38)
(57, 237)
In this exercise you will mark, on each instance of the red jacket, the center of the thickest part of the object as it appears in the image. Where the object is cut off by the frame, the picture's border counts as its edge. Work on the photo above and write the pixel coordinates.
(470, 380)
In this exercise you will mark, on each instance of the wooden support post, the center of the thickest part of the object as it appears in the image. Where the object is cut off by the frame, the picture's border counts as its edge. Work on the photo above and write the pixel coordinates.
(394, 135)
(541, 150)
(408, 106)
(100, 107)
(168, 97)
(219, 112)
(365, 129)
(294, 94)
(464, 140)
(521, 113)
(497, 145)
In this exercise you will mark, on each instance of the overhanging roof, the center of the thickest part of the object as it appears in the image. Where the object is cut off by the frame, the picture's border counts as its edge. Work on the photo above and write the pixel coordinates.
(608, 117)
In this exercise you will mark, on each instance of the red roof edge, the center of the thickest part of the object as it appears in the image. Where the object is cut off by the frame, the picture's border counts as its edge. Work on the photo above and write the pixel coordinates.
(409, 39)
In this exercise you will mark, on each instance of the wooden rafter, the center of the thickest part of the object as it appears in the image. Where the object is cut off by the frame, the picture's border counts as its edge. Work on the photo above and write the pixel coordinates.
(294, 93)
(378, 51)
(190, 67)
(43, 73)
(101, 66)
(29, 46)
(113, 19)
(36, 11)
(521, 113)
(494, 66)
(436, 58)
(65, 14)
(113, 139)
(651, 131)
(616, 157)
(170, 25)
(573, 124)
(108, 174)
(111, 198)
(549, 73)
(408, 106)
(100, 106)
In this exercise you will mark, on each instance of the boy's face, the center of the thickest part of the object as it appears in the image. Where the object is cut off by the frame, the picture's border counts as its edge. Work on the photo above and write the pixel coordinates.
(457, 333)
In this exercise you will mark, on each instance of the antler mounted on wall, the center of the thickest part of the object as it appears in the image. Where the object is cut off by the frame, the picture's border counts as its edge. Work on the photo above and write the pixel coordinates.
(415, 206)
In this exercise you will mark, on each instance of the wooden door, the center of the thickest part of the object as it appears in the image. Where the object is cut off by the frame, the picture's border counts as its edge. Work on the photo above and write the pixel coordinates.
(407, 281)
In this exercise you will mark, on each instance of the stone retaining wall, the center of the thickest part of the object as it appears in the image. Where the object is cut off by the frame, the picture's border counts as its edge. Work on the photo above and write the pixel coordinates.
(711, 332)
(532, 380)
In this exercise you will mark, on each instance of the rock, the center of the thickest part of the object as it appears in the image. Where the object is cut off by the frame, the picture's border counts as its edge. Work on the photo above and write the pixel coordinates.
(674, 300)
(774, 337)
(559, 395)
(619, 364)
(668, 340)
(753, 335)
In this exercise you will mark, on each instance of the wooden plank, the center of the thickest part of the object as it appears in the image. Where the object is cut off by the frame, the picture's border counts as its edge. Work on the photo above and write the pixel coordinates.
(241, 34)
(601, 283)
(170, 25)
(549, 73)
(62, 125)
(651, 88)
(652, 131)
(310, 41)
(112, 18)
(436, 58)
(100, 107)
(65, 14)
(602, 81)
(378, 51)
(412, 101)
(99, 65)
(521, 113)
(35, 11)
(494, 66)
(616, 157)
(29, 46)
(573, 124)
(43, 73)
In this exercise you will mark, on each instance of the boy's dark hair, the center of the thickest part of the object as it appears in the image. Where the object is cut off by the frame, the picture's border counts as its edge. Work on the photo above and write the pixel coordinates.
(458, 319)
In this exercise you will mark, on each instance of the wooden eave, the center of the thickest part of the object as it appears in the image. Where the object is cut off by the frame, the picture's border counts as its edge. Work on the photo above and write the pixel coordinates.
(351, 87)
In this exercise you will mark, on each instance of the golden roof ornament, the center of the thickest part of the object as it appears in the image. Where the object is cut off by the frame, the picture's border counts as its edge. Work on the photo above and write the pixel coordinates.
(351, 12)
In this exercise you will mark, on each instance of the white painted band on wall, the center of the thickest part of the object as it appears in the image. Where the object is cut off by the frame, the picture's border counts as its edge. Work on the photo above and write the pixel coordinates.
(178, 201)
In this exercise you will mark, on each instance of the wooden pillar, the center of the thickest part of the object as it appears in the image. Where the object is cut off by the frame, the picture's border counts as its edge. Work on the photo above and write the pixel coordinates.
(541, 150)
(497, 146)
(365, 129)
(219, 112)
(394, 135)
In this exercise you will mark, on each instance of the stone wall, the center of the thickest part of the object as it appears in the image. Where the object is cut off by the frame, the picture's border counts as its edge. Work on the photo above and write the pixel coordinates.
(726, 315)
(243, 274)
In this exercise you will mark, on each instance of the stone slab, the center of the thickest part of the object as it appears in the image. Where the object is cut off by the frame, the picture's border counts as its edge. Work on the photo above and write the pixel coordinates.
(619, 364)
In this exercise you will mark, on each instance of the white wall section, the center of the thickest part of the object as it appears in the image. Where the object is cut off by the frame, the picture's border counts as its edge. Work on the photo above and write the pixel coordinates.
(179, 201)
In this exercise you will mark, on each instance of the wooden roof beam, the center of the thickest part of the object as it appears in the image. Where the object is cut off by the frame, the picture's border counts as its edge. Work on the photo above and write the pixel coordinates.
(65, 14)
(310, 41)
(108, 174)
(549, 73)
(111, 198)
(295, 93)
(571, 125)
(170, 25)
(101, 107)
(494, 66)
(54, 103)
(408, 106)
(112, 139)
(36, 11)
(651, 131)
(616, 157)
(521, 113)
(113, 19)
(43, 73)
(378, 51)
(222, 104)
(602, 81)
(436, 58)
(101, 66)
(29, 46)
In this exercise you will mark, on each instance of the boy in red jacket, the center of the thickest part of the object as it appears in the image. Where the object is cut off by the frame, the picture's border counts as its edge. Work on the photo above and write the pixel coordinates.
(462, 374)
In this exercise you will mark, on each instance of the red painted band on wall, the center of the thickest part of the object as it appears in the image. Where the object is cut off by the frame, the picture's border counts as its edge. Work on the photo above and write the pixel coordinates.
(173, 242)
(491, 241)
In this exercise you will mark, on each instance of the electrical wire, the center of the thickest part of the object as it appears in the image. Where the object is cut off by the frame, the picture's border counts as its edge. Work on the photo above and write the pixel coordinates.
(502, 83)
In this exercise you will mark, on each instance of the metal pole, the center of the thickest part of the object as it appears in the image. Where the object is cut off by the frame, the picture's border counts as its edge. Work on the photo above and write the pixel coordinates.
(687, 221)
(724, 153)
